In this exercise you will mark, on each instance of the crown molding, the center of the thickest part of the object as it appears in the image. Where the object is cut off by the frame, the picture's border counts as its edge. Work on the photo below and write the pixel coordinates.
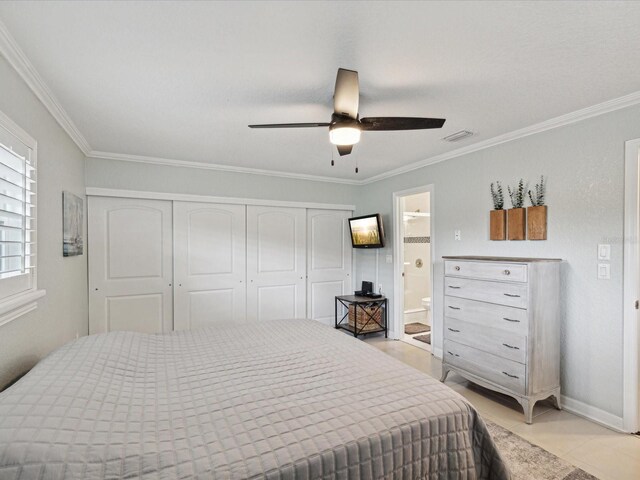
(10, 50)
(567, 119)
(214, 166)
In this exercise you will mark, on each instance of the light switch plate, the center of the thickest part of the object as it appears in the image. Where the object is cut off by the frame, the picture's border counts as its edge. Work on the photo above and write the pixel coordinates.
(604, 271)
(457, 234)
(389, 259)
(604, 252)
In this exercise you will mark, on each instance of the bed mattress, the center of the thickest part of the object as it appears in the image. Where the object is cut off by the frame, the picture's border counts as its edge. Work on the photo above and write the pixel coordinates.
(290, 399)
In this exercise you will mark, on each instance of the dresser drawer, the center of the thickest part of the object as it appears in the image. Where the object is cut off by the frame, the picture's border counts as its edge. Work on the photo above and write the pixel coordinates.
(508, 374)
(510, 294)
(509, 319)
(491, 340)
(508, 272)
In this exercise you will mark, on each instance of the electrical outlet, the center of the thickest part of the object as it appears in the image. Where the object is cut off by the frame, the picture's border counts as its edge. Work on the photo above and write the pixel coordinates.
(457, 235)
(380, 288)
(389, 258)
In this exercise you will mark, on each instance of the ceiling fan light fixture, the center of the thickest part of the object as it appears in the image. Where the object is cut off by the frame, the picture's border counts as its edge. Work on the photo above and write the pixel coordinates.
(344, 135)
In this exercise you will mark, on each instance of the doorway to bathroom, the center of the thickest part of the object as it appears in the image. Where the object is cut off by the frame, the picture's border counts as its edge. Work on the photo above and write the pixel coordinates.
(414, 272)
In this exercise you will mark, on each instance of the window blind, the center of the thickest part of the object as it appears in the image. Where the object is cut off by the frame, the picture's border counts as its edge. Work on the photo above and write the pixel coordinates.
(17, 214)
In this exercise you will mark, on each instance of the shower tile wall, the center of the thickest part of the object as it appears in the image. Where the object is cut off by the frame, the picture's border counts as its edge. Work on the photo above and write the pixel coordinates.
(417, 279)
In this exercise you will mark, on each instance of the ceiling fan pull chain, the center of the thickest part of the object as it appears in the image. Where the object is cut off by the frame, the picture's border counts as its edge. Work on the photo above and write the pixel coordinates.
(331, 150)
(356, 165)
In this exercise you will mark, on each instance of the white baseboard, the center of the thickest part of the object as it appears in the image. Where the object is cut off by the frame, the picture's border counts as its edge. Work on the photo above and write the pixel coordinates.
(437, 352)
(593, 413)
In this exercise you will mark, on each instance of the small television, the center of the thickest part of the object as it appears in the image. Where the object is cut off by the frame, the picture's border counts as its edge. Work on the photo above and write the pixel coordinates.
(367, 231)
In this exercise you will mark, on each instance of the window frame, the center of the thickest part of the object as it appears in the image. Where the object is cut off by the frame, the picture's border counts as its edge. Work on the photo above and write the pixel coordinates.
(14, 304)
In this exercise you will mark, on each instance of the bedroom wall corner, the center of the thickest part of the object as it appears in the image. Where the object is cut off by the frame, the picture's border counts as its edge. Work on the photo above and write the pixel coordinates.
(62, 313)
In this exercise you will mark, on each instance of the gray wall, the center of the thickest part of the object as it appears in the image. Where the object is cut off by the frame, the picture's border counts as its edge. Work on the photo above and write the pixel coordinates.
(162, 178)
(63, 311)
(584, 163)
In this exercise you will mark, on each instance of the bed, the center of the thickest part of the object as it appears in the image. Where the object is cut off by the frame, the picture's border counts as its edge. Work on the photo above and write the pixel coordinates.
(290, 399)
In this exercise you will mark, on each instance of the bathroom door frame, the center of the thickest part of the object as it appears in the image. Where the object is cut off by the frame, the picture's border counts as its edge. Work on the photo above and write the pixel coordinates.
(631, 273)
(397, 326)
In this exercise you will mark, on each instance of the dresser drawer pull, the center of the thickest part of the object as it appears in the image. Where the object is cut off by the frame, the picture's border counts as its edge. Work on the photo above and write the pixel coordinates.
(454, 308)
(453, 330)
(509, 375)
(454, 354)
(512, 295)
(507, 272)
(457, 288)
(511, 346)
(457, 268)
(511, 320)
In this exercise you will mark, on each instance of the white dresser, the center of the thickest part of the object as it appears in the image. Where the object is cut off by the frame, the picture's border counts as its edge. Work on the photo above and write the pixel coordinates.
(502, 325)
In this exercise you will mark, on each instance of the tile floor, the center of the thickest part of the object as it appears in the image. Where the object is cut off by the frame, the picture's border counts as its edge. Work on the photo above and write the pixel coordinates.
(423, 316)
(607, 454)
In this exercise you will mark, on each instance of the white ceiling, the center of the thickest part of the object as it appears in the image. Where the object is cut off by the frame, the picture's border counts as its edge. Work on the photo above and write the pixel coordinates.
(182, 80)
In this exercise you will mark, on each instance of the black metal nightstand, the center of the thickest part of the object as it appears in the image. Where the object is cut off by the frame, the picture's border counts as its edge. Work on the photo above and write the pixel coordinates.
(365, 315)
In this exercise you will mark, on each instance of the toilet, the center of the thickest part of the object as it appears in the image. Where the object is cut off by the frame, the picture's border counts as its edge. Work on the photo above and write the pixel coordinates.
(426, 303)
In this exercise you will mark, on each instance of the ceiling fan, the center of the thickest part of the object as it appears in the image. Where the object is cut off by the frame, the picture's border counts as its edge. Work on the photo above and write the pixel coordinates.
(346, 125)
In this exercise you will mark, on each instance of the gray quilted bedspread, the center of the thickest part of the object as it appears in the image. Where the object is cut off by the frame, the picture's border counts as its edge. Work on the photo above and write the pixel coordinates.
(291, 399)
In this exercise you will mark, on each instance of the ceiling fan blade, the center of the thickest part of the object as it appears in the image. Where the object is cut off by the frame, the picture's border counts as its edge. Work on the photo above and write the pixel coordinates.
(379, 124)
(346, 95)
(290, 125)
(344, 149)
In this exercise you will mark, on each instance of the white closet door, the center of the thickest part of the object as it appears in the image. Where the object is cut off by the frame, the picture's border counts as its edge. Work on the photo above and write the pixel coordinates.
(130, 265)
(328, 262)
(276, 263)
(209, 264)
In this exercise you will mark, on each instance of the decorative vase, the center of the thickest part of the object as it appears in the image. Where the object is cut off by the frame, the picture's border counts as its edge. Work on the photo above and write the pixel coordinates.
(498, 225)
(537, 223)
(516, 224)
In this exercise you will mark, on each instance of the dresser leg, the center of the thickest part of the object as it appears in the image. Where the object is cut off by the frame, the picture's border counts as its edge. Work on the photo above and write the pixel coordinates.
(445, 372)
(527, 407)
(556, 400)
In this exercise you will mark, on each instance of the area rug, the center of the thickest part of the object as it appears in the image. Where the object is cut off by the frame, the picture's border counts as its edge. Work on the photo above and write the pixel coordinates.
(416, 327)
(530, 462)
(423, 338)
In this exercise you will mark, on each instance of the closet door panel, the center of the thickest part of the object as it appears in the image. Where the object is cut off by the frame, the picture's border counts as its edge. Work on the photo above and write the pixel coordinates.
(140, 313)
(276, 263)
(329, 261)
(130, 265)
(277, 302)
(209, 264)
